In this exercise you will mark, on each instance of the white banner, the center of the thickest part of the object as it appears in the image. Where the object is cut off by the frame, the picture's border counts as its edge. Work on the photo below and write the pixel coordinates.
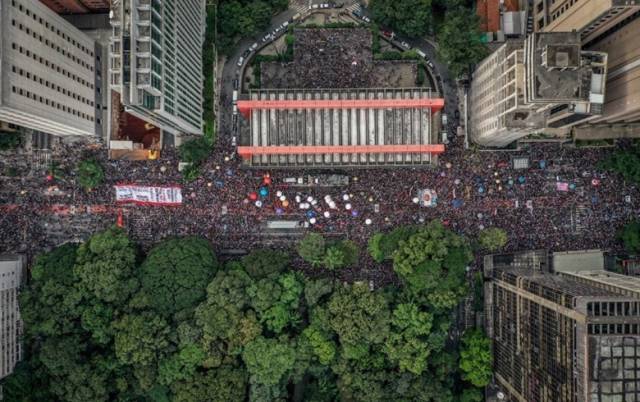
(148, 195)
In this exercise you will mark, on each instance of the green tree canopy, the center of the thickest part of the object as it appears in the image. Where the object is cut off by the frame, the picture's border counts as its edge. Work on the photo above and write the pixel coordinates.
(268, 360)
(90, 174)
(175, 274)
(409, 17)
(459, 40)
(475, 358)
(312, 248)
(492, 239)
(630, 236)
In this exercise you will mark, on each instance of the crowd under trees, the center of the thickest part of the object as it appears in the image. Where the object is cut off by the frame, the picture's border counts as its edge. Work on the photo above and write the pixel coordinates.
(104, 322)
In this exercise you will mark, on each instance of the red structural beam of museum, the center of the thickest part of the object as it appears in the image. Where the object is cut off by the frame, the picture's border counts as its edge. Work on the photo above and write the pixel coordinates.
(247, 152)
(245, 106)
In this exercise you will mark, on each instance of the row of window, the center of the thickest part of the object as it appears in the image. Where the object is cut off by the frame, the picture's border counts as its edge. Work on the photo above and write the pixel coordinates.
(51, 65)
(51, 85)
(52, 45)
(613, 329)
(605, 309)
(52, 103)
(562, 9)
(53, 29)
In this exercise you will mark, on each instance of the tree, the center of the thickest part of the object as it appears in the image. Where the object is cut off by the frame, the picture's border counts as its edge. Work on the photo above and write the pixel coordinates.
(333, 258)
(475, 358)
(312, 248)
(350, 251)
(141, 339)
(217, 385)
(433, 259)
(630, 236)
(459, 40)
(175, 274)
(49, 304)
(194, 151)
(409, 17)
(268, 360)
(625, 162)
(359, 317)
(492, 239)
(105, 266)
(90, 174)
(408, 346)
(264, 262)
(9, 140)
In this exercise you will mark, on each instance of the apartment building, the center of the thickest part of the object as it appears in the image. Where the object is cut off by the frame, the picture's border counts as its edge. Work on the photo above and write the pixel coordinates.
(48, 71)
(561, 337)
(11, 277)
(525, 86)
(156, 64)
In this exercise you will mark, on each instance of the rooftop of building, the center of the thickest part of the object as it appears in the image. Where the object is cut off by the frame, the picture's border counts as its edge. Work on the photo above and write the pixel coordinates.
(336, 58)
(557, 67)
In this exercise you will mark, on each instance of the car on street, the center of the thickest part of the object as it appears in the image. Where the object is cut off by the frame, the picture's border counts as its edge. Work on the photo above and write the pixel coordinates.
(234, 141)
(254, 47)
(236, 83)
(388, 34)
(315, 6)
(430, 64)
(240, 61)
(405, 45)
(421, 53)
(285, 24)
(324, 5)
(267, 37)
(456, 114)
(366, 19)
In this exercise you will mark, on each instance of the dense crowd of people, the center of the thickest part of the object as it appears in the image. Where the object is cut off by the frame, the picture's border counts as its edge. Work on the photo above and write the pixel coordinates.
(559, 202)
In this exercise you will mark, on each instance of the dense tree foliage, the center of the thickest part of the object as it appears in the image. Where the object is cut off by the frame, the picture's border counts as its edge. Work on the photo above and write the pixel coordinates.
(90, 174)
(475, 358)
(9, 140)
(409, 17)
(314, 249)
(492, 239)
(630, 236)
(459, 40)
(625, 162)
(105, 323)
(242, 18)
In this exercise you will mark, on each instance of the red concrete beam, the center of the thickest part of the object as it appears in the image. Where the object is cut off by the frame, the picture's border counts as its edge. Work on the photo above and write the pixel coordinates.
(245, 106)
(249, 151)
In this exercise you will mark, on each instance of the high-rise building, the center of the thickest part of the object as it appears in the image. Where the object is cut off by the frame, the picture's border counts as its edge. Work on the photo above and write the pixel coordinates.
(156, 63)
(610, 26)
(570, 336)
(77, 6)
(48, 71)
(523, 87)
(11, 276)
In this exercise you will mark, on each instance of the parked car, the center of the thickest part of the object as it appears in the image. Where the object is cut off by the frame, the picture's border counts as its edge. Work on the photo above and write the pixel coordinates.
(240, 61)
(430, 64)
(324, 5)
(444, 119)
(315, 6)
(267, 37)
(246, 53)
(421, 53)
(236, 83)
(366, 19)
(234, 141)
(456, 114)
(285, 24)
(254, 46)
(405, 45)
(388, 34)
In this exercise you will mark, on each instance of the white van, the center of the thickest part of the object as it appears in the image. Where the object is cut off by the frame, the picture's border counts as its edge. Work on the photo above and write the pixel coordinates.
(421, 53)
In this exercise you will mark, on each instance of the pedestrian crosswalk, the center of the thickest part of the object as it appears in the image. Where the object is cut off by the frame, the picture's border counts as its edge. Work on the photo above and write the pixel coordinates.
(353, 7)
(299, 8)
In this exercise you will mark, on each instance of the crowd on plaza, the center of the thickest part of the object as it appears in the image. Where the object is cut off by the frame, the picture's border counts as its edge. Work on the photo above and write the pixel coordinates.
(475, 190)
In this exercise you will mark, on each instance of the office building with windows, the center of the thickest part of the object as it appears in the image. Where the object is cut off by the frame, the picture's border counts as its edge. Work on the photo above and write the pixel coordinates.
(77, 6)
(524, 87)
(11, 276)
(156, 68)
(565, 336)
(48, 71)
(613, 27)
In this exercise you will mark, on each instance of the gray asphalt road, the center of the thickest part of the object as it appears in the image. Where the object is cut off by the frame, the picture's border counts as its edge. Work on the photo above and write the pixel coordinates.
(231, 71)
